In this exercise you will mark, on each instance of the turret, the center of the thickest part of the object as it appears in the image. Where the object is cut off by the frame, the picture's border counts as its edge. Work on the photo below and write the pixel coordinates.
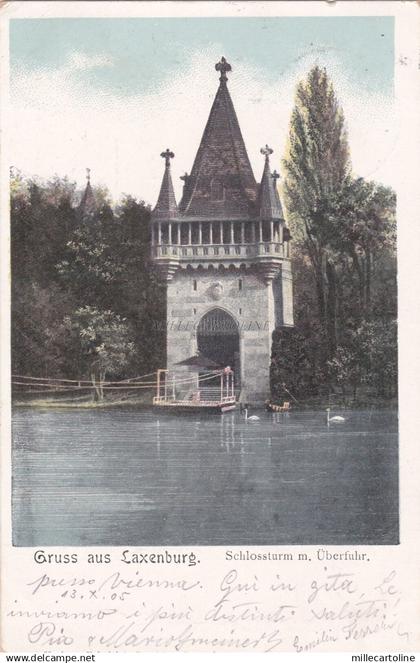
(88, 206)
(166, 207)
(163, 215)
(269, 205)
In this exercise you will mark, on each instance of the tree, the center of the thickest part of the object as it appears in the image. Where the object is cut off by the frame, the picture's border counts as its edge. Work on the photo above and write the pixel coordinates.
(103, 343)
(317, 168)
(42, 215)
(348, 366)
(37, 335)
(382, 350)
(363, 228)
(63, 262)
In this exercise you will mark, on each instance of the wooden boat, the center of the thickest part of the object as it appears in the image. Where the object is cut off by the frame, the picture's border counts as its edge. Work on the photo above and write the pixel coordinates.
(201, 399)
(274, 407)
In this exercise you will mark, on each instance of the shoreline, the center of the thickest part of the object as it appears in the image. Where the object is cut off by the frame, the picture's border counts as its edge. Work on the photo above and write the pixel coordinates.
(312, 404)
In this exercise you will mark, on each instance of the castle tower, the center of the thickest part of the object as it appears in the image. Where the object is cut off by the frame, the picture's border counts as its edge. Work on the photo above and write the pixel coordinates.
(224, 253)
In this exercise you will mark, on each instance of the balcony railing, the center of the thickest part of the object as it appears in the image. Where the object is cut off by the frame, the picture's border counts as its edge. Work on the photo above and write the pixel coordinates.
(219, 251)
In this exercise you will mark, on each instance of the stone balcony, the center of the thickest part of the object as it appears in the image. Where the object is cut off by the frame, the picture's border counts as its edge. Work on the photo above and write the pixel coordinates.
(266, 256)
(220, 252)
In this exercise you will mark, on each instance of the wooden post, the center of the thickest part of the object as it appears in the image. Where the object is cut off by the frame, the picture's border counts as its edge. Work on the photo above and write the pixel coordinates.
(200, 233)
(189, 234)
(242, 233)
(232, 233)
(221, 232)
(179, 233)
(211, 233)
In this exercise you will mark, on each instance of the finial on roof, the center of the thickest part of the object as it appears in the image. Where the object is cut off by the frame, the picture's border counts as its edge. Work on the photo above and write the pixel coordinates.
(168, 155)
(266, 151)
(275, 175)
(184, 177)
(223, 66)
(88, 175)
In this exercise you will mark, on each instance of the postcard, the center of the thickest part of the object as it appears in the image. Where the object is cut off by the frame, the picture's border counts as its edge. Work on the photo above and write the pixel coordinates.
(210, 327)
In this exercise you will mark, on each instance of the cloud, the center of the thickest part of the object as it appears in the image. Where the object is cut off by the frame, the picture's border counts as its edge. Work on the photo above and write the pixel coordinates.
(61, 123)
(79, 61)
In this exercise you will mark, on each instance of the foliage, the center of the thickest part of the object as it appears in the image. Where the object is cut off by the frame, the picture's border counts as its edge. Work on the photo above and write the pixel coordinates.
(344, 260)
(102, 342)
(67, 268)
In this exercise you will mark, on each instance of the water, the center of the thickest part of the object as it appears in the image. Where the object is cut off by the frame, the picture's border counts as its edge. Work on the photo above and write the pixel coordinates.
(135, 477)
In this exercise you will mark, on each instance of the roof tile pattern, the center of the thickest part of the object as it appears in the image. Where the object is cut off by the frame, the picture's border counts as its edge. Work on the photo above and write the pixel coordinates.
(221, 183)
(166, 207)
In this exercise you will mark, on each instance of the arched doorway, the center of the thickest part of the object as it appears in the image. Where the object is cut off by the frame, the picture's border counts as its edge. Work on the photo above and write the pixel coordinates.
(218, 339)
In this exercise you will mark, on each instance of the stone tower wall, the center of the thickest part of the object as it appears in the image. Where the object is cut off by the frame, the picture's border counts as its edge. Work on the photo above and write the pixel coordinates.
(251, 306)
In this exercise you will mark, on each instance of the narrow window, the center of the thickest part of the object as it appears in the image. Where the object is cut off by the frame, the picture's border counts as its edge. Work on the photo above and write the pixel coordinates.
(195, 284)
(240, 284)
(240, 311)
(195, 311)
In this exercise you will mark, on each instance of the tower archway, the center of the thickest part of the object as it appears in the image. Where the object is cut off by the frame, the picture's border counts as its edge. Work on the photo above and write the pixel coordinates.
(218, 339)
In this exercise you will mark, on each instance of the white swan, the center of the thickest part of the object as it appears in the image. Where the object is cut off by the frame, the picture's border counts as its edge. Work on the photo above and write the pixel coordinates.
(334, 420)
(251, 418)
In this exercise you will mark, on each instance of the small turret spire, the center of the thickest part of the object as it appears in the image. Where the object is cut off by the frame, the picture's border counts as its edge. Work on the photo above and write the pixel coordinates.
(223, 66)
(268, 199)
(87, 207)
(166, 207)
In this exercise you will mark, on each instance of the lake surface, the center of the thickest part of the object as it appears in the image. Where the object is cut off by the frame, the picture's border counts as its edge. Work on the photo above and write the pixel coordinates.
(136, 478)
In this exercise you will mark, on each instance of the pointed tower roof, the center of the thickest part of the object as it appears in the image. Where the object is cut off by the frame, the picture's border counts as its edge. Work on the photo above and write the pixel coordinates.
(269, 205)
(221, 183)
(166, 207)
(87, 207)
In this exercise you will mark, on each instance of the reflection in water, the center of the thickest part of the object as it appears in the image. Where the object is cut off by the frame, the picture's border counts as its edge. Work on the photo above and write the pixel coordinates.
(135, 477)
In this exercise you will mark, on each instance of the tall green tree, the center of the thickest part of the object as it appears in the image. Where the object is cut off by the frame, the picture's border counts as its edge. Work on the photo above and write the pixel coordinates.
(317, 168)
(363, 231)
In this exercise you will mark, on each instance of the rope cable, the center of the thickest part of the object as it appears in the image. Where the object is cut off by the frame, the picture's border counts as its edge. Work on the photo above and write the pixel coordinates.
(113, 385)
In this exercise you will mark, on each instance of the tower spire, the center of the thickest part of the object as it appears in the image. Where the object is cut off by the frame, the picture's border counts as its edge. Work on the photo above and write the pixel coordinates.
(221, 183)
(87, 207)
(268, 198)
(166, 207)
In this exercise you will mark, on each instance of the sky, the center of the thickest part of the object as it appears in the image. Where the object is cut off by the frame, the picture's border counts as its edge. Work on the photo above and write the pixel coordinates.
(111, 94)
